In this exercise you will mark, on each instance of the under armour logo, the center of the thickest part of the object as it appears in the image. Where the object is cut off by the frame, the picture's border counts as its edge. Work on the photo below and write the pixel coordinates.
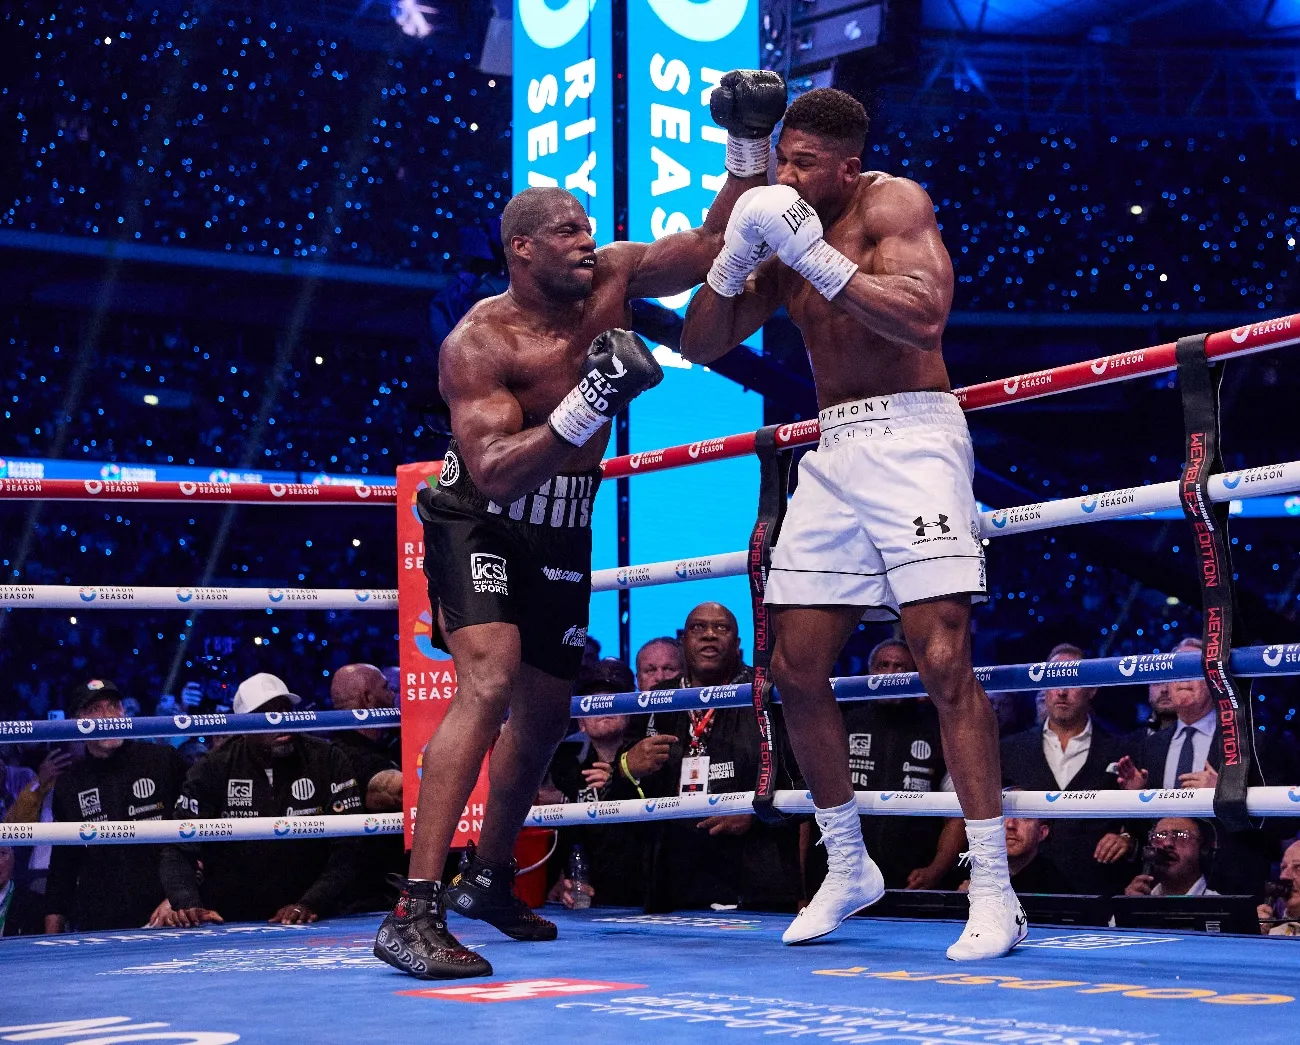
(921, 525)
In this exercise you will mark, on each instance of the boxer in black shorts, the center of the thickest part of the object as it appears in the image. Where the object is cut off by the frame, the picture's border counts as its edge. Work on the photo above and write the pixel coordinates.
(527, 563)
(531, 378)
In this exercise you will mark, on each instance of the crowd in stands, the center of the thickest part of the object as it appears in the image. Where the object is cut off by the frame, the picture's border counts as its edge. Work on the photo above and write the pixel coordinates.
(718, 863)
(250, 135)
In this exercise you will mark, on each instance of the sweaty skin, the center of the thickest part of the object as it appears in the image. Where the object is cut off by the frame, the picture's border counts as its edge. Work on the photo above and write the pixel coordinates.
(882, 333)
(504, 368)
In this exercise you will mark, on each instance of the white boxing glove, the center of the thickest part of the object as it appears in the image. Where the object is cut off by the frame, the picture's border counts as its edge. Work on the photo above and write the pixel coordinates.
(787, 223)
(743, 249)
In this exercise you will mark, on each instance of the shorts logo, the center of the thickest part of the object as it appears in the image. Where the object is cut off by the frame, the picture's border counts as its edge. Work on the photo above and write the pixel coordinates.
(89, 803)
(921, 525)
(302, 789)
(554, 574)
(488, 573)
(143, 788)
(921, 750)
(450, 470)
(239, 792)
(575, 636)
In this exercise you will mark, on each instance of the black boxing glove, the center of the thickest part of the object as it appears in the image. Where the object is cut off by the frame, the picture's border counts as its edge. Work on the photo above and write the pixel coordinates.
(619, 368)
(748, 103)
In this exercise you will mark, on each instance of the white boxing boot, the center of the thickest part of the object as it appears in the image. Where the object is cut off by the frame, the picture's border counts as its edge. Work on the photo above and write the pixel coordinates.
(853, 881)
(996, 923)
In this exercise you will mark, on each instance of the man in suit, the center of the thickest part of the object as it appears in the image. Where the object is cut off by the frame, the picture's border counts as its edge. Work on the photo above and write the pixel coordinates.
(1187, 754)
(1069, 752)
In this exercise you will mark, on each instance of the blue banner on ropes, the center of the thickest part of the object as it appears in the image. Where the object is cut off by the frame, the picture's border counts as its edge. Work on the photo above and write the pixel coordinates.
(1247, 662)
(198, 725)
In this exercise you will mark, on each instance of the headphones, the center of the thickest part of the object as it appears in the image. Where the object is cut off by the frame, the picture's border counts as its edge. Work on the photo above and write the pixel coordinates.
(1209, 845)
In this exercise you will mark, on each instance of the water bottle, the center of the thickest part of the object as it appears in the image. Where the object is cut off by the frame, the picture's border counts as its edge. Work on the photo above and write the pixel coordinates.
(580, 879)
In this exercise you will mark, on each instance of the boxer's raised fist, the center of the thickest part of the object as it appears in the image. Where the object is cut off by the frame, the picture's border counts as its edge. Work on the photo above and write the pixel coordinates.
(748, 103)
(619, 368)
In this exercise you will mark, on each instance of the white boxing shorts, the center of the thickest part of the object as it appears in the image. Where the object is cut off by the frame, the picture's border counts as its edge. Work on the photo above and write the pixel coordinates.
(884, 513)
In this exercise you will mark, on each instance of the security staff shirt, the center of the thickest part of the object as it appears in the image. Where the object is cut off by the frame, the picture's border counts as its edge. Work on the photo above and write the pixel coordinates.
(97, 887)
(250, 881)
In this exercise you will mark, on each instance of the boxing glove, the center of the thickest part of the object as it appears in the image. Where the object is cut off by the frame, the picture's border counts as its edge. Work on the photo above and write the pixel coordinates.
(619, 368)
(748, 104)
(788, 224)
(743, 248)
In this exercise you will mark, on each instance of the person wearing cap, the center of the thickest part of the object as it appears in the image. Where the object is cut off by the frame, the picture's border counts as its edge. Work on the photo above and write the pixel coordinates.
(98, 887)
(292, 881)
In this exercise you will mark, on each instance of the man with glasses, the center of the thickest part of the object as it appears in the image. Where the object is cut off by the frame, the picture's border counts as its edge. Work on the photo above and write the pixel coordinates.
(1175, 861)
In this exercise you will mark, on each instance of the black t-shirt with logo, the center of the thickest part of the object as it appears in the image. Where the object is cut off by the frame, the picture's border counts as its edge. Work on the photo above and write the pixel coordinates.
(250, 881)
(896, 747)
(98, 887)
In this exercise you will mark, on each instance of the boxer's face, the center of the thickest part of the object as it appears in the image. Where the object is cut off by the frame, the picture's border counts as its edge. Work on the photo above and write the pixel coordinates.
(562, 253)
(817, 168)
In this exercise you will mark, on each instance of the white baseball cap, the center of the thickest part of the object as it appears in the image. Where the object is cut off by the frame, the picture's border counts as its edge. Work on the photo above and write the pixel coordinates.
(260, 689)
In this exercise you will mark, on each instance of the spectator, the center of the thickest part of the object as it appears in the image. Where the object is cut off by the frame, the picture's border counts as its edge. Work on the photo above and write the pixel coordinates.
(375, 754)
(1070, 752)
(15, 778)
(583, 772)
(99, 887)
(35, 805)
(895, 745)
(18, 912)
(1031, 870)
(659, 661)
(1176, 860)
(1160, 700)
(1281, 917)
(263, 774)
(726, 861)
(1187, 754)
(376, 757)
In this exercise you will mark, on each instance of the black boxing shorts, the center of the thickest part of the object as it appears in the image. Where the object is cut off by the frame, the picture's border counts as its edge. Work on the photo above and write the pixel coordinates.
(527, 563)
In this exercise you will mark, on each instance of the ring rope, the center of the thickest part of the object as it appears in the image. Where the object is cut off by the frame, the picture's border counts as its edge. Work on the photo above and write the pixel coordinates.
(1260, 481)
(1149, 804)
(1247, 662)
(1104, 370)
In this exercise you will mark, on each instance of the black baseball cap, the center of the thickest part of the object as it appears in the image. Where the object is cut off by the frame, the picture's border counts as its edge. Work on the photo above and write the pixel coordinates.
(89, 692)
(607, 676)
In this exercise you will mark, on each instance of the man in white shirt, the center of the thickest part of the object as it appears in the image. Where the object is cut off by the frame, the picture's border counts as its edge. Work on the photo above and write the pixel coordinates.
(1175, 861)
(1068, 753)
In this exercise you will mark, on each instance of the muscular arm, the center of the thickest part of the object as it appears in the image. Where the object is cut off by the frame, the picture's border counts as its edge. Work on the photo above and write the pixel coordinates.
(908, 298)
(505, 459)
(716, 324)
(680, 260)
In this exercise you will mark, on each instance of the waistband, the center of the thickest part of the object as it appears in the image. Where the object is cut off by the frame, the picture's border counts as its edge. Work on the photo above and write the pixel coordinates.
(885, 415)
(562, 502)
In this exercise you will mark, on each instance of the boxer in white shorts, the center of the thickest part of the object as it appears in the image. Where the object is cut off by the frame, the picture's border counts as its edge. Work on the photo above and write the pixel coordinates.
(883, 523)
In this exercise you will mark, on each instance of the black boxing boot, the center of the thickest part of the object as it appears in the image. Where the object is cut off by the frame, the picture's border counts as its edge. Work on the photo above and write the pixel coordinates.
(414, 937)
(485, 891)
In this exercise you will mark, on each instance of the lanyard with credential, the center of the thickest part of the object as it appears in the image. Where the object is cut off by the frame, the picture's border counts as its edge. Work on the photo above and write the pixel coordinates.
(700, 724)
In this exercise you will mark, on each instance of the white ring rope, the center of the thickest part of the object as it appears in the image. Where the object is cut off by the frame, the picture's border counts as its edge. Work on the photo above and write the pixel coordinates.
(1262, 481)
(1148, 805)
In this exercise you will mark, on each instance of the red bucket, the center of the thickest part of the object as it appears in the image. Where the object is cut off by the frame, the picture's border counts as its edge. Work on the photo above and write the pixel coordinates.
(532, 849)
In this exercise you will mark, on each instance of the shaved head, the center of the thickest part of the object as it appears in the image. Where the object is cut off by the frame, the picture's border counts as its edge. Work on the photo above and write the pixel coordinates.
(530, 211)
(359, 686)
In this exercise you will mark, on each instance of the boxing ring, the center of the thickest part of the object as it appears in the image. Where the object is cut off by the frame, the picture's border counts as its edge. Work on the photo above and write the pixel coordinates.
(624, 974)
